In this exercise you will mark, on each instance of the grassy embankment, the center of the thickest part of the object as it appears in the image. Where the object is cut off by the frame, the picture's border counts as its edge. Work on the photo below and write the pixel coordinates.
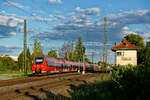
(125, 83)
(9, 74)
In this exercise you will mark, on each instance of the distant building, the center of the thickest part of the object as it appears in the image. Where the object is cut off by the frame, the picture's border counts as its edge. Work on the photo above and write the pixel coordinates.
(15, 58)
(126, 53)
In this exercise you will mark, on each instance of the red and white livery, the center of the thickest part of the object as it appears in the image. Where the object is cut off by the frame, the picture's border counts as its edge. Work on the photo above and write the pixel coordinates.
(44, 64)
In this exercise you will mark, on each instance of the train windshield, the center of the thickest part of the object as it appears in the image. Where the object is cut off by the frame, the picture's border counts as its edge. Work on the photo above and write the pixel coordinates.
(39, 60)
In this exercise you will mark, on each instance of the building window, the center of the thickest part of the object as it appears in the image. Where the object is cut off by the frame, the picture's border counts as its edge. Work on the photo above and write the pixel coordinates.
(125, 44)
(120, 53)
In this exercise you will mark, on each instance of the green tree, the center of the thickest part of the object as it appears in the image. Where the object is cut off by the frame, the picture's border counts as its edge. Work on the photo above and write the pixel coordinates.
(52, 53)
(146, 56)
(37, 49)
(7, 63)
(87, 60)
(75, 55)
(80, 49)
(28, 61)
(135, 38)
(21, 61)
(138, 41)
(100, 63)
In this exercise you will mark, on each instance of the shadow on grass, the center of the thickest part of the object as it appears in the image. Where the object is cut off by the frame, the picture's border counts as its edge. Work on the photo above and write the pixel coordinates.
(97, 91)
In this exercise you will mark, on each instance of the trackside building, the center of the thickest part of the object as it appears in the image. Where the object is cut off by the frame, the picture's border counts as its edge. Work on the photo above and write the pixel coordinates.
(125, 53)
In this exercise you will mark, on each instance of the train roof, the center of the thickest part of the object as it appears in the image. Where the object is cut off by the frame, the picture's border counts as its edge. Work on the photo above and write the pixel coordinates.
(61, 60)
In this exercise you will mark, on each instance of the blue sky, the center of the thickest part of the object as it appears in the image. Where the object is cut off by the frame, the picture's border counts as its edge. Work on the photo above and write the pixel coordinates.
(54, 22)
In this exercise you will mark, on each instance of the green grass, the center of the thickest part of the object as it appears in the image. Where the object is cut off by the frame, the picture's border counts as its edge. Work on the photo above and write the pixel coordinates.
(99, 90)
(103, 77)
(12, 74)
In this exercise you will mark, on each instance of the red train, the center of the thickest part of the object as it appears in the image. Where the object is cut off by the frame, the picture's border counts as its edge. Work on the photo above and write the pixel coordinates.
(44, 64)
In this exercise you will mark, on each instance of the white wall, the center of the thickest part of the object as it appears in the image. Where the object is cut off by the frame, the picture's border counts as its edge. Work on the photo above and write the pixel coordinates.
(127, 57)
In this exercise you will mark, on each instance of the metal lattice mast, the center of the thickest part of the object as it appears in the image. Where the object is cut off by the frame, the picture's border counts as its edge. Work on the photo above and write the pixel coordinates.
(105, 42)
(25, 47)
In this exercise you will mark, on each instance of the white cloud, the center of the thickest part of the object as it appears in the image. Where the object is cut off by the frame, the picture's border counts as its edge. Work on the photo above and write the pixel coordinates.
(88, 11)
(145, 34)
(13, 33)
(14, 4)
(38, 18)
(148, 26)
(117, 26)
(55, 1)
(3, 12)
(72, 18)
(60, 17)
(9, 24)
(131, 17)
(125, 30)
(50, 15)
(9, 50)
(9, 20)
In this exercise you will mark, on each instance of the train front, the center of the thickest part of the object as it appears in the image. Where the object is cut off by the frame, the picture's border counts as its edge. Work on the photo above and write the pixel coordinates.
(38, 65)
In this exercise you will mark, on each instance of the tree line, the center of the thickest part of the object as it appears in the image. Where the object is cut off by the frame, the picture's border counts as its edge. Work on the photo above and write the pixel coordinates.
(68, 51)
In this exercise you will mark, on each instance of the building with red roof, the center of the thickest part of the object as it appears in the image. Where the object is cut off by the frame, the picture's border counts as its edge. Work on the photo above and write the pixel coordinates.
(126, 53)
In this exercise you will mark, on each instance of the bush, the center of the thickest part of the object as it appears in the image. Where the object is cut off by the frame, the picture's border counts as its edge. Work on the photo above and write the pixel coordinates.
(7, 63)
(100, 90)
(131, 83)
(127, 83)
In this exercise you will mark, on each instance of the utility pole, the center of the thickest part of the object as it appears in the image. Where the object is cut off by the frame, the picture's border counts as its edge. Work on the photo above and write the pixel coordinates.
(25, 47)
(92, 56)
(72, 45)
(104, 43)
(83, 50)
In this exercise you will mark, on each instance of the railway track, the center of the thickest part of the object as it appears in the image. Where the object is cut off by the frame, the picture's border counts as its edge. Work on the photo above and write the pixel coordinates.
(32, 79)
(47, 84)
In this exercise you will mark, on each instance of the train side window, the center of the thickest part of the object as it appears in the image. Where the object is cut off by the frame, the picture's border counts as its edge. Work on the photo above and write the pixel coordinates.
(59, 65)
(63, 66)
(50, 63)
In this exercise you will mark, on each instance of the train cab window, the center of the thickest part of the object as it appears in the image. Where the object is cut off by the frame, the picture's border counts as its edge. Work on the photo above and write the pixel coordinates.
(39, 60)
